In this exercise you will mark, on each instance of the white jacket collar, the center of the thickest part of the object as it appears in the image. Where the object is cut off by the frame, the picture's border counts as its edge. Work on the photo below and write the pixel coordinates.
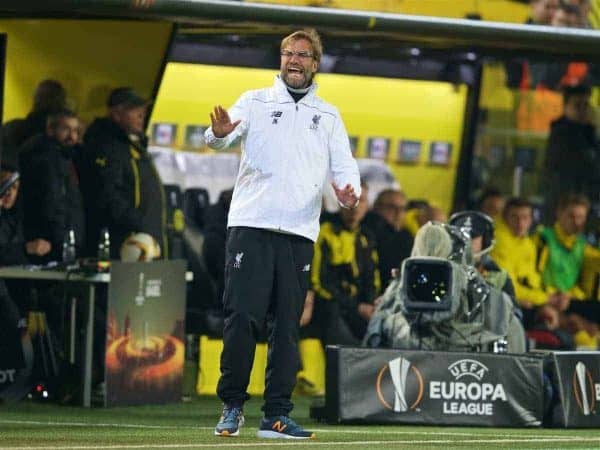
(283, 94)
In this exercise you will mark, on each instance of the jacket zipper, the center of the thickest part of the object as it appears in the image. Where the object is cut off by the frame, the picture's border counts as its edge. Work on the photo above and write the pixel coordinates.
(283, 160)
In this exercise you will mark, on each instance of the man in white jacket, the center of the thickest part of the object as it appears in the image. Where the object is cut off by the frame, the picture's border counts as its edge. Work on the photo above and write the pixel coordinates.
(292, 142)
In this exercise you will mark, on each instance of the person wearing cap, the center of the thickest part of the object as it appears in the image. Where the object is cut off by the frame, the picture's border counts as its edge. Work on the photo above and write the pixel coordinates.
(52, 202)
(121, 186)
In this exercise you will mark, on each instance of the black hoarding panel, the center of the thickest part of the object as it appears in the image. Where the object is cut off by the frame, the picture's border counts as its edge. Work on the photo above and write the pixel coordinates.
(576, 377)
(421, 387)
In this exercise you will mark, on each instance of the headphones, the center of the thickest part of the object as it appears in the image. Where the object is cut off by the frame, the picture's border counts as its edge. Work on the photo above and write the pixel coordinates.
(475, 224)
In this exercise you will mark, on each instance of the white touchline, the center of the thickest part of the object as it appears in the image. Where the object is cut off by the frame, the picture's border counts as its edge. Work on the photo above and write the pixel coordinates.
(250, 429)
(304, 442)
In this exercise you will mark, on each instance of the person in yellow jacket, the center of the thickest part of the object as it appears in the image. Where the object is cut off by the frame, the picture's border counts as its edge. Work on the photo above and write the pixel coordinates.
(516, 252)
(344, 277)
(564, 257)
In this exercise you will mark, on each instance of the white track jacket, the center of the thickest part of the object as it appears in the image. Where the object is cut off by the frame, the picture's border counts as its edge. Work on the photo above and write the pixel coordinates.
(288, 152)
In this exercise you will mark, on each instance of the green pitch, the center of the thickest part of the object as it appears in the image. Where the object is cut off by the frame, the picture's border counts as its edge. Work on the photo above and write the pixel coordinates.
(190, 425)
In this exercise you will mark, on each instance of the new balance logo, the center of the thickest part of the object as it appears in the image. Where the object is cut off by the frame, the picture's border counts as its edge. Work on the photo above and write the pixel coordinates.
(306, 268)
(279, 427)
(238, 260)
(276, 115)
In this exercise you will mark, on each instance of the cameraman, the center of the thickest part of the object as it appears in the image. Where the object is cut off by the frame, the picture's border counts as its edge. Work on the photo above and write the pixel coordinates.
(440, 302)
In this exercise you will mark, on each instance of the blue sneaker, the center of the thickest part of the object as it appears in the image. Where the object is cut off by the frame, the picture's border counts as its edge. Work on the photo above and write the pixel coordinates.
(230, 422)
(282, 427)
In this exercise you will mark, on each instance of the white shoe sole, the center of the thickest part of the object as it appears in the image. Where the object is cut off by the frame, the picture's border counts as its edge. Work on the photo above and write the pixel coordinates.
(268, 434)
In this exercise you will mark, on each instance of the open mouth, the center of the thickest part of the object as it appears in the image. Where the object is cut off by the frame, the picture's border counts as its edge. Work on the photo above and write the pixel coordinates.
(295, 70)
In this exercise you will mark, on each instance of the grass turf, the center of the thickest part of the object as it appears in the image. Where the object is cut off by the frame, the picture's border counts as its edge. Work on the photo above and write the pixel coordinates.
(190, 425)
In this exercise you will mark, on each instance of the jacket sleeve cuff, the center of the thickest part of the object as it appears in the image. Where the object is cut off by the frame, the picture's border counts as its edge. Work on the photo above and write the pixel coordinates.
(212, 141)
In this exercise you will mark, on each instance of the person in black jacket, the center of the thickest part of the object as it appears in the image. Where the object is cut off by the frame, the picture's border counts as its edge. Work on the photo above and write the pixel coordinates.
(14, 249)
(50, 96)
(122, 189)
(386, 223)
(52, 202)
(572, 160)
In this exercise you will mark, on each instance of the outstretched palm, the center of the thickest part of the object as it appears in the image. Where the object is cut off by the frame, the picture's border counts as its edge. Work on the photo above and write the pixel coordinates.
(221, 122)
(346, 196)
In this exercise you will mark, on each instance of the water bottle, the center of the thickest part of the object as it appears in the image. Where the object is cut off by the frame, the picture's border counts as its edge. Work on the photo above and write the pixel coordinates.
(104, 245)
(69, 252)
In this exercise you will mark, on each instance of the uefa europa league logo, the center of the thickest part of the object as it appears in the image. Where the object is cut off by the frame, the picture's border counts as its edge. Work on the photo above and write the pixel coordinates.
(399, 371)
(581, 375)
(408, 391)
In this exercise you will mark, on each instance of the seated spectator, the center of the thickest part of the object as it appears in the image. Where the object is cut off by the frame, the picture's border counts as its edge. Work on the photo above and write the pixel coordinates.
(386, 224)
(516, 252)
(492, 203)
(572, 160)
(14, 250)
(344, 277)
(419, 212)
(120, 184)
(563, 252)
(585, 8)
(206, 297)
(49, 97)
(52, 203)
(566, 15)
(542, 11)
(215, 236)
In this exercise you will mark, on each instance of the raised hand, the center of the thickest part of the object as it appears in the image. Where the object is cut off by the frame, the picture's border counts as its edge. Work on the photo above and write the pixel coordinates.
(220, 122)
(346, 196)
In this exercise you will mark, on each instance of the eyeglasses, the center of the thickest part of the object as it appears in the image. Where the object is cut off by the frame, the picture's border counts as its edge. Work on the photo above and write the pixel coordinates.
(301, 55)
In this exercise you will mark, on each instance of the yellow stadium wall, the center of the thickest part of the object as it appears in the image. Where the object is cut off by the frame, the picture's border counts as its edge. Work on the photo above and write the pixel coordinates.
(371, 107)
(493, 10)
(89, 57)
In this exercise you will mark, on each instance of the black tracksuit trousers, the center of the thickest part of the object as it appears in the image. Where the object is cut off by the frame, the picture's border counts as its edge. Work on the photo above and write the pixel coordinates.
(266, 278)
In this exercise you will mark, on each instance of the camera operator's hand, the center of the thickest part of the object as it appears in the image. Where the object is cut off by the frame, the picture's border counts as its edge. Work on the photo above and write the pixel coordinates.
(560, 300)
(38, 247)
(366, 310)
(377, 301)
